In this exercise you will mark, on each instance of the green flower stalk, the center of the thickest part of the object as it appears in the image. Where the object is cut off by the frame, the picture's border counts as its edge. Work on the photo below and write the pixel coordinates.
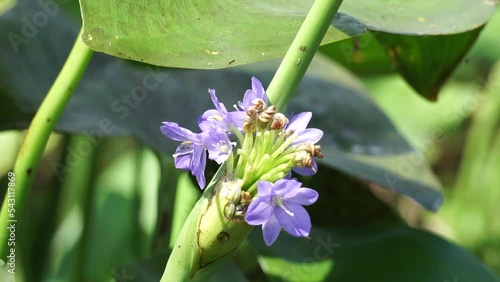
(258, 148)
(39, 132)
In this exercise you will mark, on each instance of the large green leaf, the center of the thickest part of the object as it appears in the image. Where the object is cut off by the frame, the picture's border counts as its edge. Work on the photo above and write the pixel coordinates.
(416, 17)
(199, 34)
(427, 61)
(180, 34)
(384, 252)
(424, 39)
(362, 55)
(117, 98)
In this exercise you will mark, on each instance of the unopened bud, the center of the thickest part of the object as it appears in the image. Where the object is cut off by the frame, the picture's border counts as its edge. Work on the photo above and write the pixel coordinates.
(229, 210)
(231, 190)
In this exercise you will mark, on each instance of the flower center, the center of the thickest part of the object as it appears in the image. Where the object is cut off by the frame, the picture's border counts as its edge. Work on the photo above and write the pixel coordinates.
(215, 118)
(278, 201)
(223, 147)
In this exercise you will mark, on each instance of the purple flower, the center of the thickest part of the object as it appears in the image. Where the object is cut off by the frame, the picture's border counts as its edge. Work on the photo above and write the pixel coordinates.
(298, 124)
(190, 154)
(220, 117)
(279, 205)
(257, 92)
(218, 145)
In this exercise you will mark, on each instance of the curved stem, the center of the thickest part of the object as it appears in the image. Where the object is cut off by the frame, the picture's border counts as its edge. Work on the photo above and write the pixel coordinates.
(300, 54)
(37, 136)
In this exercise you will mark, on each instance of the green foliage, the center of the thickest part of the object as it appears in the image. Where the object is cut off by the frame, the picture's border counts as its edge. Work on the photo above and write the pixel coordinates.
(199, 34)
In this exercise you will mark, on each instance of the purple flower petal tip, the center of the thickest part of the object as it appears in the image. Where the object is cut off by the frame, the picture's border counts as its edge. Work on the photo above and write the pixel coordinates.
(280, 206)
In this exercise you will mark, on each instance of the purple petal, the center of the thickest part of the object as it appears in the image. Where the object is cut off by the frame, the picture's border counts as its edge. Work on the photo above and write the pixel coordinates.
(304, 197)
(200, 178)
(265, 188)
(235, 118)
(310, 135)
(257, 92)
(259, 211)
(271, 229)
(286, 187)
(183, 155)
(298, 225)
(307, 171)
(182, 162)
(219, 106)
(299, 122)
(218, 145)
(250, 95)
(259, 89)
(173, 131)
(198, 164)
(209, 119)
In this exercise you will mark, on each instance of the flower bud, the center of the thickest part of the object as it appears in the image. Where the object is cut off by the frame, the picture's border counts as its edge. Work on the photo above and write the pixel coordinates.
(231, 190)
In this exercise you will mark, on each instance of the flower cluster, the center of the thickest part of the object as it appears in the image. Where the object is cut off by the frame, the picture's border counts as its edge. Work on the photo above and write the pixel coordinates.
(260, 147)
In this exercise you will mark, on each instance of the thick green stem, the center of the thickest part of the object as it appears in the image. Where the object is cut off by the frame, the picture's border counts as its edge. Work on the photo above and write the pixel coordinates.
(301, 52)
(37, 136)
